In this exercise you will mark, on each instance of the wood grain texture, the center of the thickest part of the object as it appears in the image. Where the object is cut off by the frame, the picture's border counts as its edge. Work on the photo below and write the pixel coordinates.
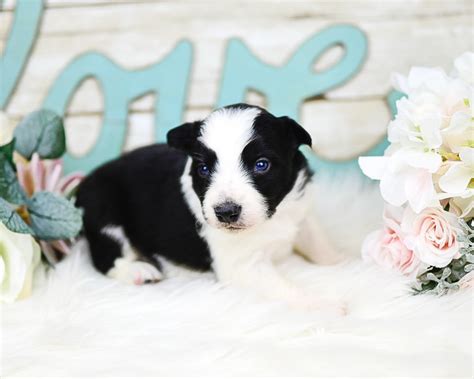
(139, 33)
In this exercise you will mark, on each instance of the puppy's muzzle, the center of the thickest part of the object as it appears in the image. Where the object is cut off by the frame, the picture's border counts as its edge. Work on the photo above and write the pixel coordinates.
(228, 212)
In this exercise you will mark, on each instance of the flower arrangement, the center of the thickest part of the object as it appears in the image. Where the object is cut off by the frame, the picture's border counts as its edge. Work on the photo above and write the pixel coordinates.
(36, 211)
(427, 180)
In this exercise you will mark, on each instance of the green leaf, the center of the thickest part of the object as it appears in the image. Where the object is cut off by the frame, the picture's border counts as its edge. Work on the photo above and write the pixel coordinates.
(7, 150)
(42, 132)
(11, 219)
(53, 217)
(10, 188)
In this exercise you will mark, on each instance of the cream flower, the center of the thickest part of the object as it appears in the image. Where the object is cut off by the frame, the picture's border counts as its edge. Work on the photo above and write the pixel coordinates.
(418, 123)
(432, 235)
(421, 79)
(462, 206)
(437, 111)
(457, 184)
(460, 176)
(406, 175)
(464, 67)
(6, 128)
(19, 257)
(460, 132)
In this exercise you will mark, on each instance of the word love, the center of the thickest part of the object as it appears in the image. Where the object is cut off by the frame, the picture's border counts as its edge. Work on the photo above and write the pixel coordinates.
(285, 87)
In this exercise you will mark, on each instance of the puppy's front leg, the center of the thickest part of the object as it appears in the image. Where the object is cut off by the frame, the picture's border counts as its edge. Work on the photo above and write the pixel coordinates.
(263, 277)
(312, 242)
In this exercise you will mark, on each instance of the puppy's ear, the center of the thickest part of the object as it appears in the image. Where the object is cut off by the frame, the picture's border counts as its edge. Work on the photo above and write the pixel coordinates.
(184, 137)
(298, 134)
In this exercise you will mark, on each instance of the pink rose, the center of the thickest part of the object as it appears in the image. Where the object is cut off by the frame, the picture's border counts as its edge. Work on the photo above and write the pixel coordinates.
(432, 235)
(387, 248)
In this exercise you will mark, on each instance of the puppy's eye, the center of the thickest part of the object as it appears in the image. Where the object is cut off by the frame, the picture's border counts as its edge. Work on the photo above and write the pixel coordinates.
(203, 170)
(262, 165)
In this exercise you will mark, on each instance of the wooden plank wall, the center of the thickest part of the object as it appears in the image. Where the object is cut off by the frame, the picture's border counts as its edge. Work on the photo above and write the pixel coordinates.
(138, 33)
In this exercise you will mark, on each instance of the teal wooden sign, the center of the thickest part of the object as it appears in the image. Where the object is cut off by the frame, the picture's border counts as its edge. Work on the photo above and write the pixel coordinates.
(285, 87)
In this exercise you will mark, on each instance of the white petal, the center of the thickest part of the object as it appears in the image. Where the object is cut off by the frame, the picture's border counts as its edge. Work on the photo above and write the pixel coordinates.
(373, 167)
(419, 159)
(456, 179)
(435, 79)
(459, 131)
(465, 206)
(2, 270)
(392, 189)
(419, 190)
(430, 127)
(407, 223)
(15, 265)
(398, 160)
(464, 66)
(392, 216)
(400, 82)
(467, 156)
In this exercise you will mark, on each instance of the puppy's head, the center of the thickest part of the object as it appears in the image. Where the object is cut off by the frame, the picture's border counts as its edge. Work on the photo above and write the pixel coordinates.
(244, 162)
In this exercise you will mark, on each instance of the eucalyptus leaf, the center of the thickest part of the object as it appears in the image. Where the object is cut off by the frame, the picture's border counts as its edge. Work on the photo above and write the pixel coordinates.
(10, 188)
(446, 273)
(7, 150)
(53, 217)
(11, 219)
(42, 132)
(431, 276)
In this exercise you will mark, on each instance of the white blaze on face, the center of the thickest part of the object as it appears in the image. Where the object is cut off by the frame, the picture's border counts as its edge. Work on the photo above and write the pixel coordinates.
(227, 132)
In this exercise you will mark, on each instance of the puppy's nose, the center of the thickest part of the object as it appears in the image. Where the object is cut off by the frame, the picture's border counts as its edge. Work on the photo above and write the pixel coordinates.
(228, 212)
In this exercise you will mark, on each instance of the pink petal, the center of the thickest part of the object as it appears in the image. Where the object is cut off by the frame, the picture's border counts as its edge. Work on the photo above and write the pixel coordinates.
(37, 172)
(392, 217)
(48, 252)
(52, 179)
(69, 182)
(62, 247)
(420, 190)
(24, 177)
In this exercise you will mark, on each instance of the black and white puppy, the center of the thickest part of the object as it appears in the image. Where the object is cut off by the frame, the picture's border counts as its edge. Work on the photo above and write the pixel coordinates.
(231, 193)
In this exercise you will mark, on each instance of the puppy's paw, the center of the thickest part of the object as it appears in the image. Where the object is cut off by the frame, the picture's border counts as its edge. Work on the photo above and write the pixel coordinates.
(135, 272)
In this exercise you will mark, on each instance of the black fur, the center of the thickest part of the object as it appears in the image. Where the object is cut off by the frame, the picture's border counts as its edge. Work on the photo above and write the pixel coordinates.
(141, 192)
(278, 140)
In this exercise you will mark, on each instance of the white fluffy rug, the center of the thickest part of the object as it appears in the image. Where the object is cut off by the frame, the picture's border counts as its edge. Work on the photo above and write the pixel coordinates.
(82, 324)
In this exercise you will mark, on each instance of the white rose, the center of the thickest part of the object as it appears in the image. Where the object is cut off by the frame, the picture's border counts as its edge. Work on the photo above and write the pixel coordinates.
(19, 257)
(405, 175)
(6, 128)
